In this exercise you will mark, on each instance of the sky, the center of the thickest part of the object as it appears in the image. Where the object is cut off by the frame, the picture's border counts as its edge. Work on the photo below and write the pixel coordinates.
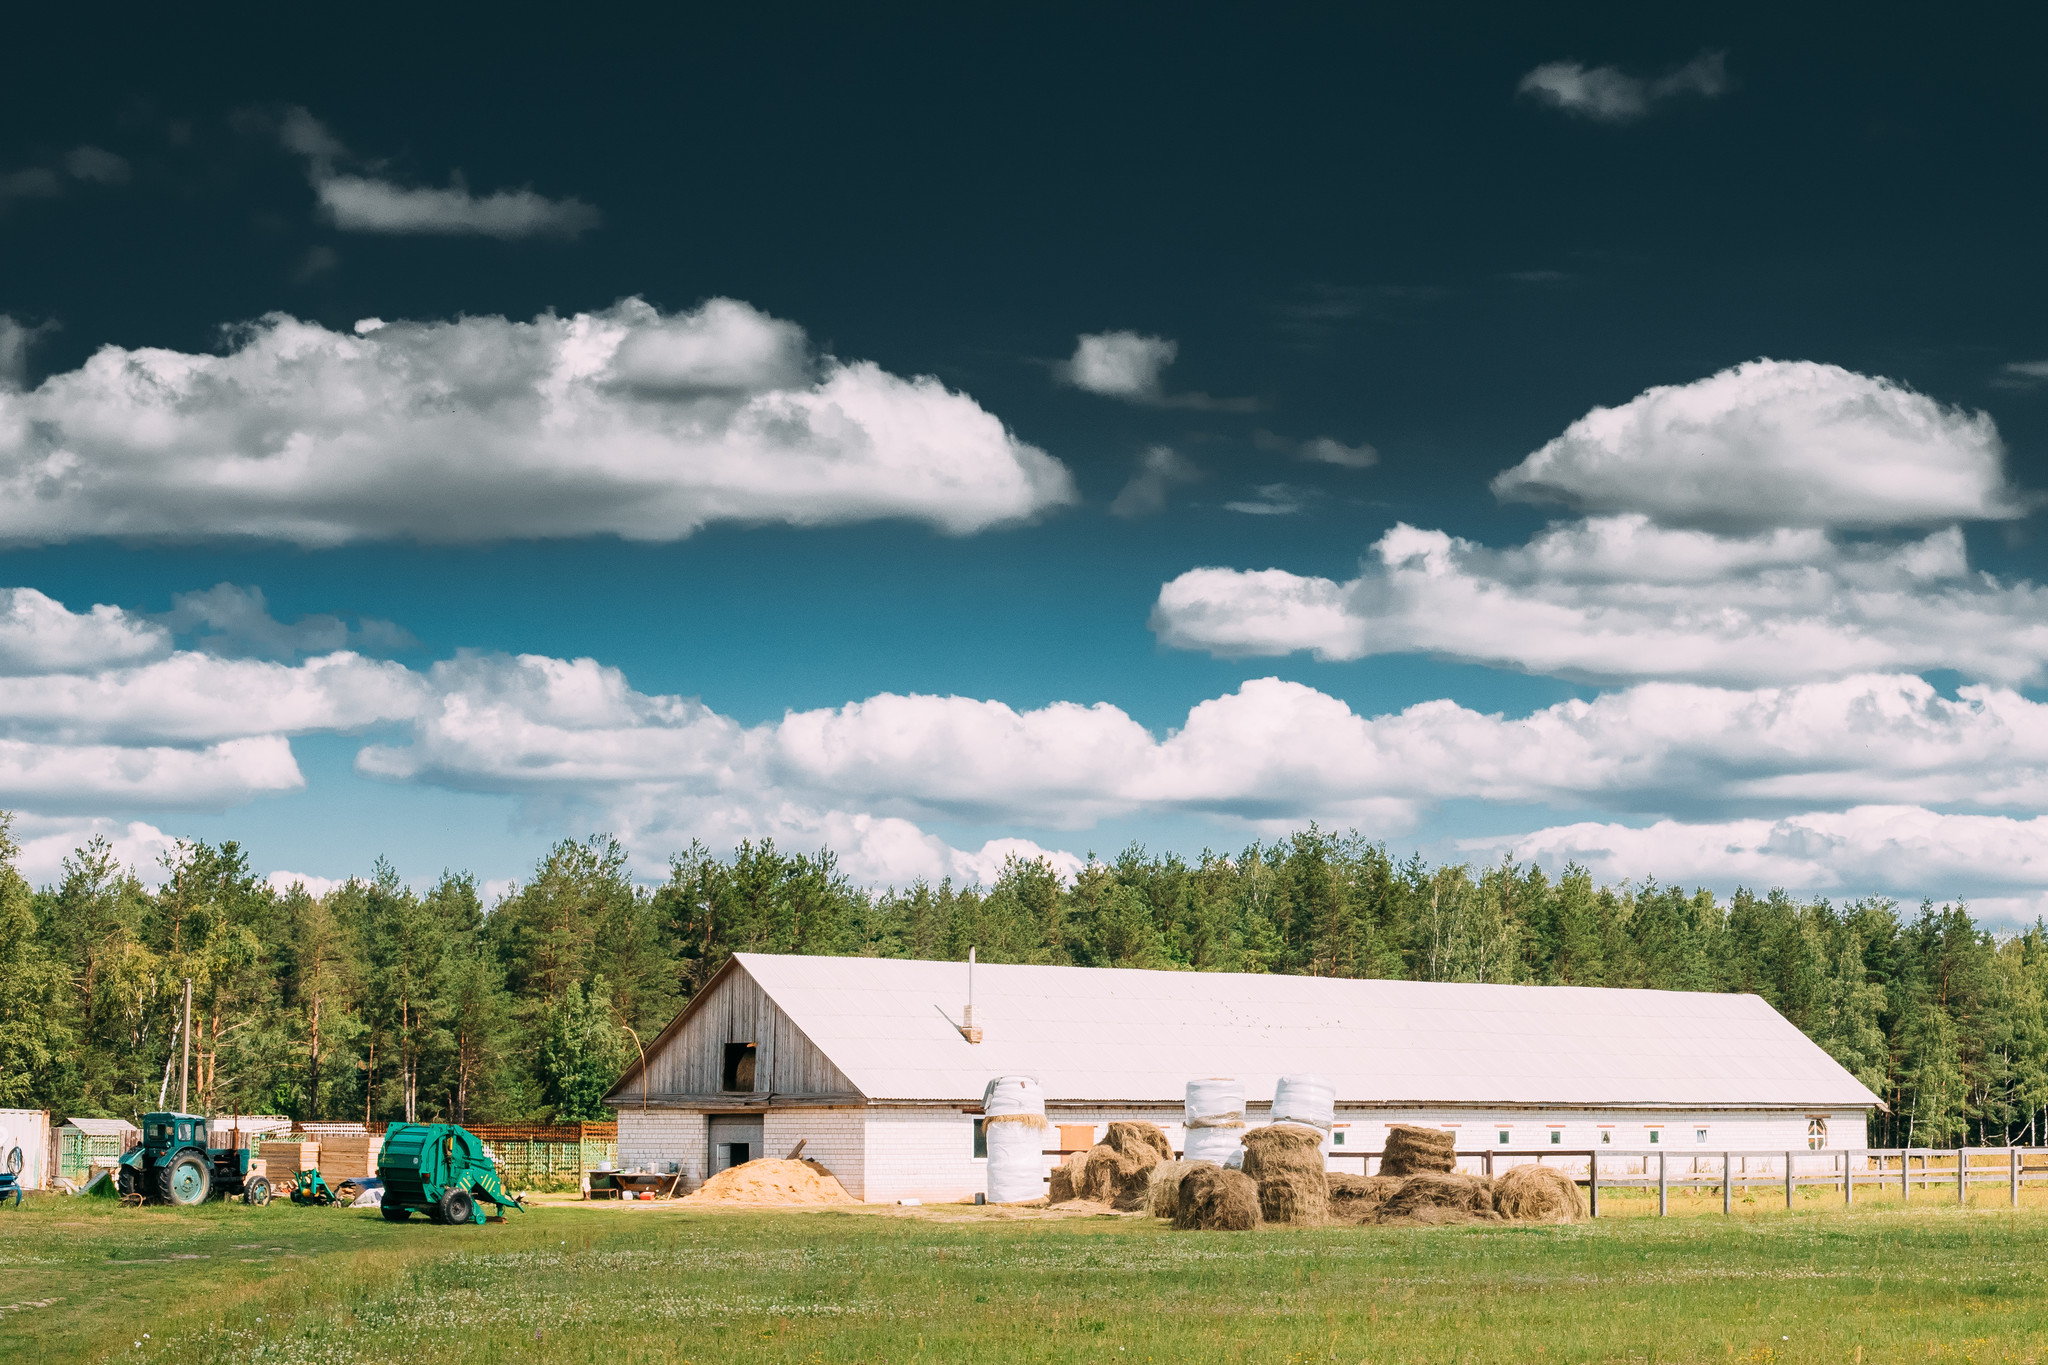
(1615, 438)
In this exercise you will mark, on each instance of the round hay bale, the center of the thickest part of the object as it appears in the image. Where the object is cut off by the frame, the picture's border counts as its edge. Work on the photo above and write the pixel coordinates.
(1357, 1198)
(1537, 1194)
(1215, 1199)
(1411, 1150)
(1281, 1146)
(1436, 1197)
(1162, 1187)
(1120, 1166)
(1134, 1138)
(1066, 1179)
(1287, 1162)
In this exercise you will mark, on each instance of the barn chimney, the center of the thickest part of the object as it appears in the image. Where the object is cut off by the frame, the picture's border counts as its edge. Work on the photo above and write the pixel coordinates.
(968, 1028)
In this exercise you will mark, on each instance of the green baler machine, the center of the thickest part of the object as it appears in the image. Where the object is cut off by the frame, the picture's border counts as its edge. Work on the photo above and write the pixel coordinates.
(441, 1170)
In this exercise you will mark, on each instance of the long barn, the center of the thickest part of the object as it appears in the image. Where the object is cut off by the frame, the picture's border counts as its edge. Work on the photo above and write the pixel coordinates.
(875, 1066)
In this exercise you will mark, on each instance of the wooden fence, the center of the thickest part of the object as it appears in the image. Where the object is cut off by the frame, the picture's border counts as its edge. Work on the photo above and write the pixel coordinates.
(528, 1152)
(1880, 1169)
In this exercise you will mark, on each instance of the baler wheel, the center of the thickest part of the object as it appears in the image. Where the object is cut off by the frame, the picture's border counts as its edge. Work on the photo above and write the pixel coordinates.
(457, 1207)
(256, 1190)
(188, 1179)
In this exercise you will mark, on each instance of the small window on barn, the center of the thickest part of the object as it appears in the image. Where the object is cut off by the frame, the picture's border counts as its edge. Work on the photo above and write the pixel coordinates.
(1656, 1136)
(1337, 1138)
(1504, 1137)
(1556, 1137)
(1816, 1133)
(1699, 1135)
(1606, 1138)
(980, 1138)
(739, 1067)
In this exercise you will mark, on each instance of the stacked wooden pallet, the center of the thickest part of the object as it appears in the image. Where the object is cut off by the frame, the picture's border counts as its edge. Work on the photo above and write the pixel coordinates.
(348, 1156)
(282, 1161)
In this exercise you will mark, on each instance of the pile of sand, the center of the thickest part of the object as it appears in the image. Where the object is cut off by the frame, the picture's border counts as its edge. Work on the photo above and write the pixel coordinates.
(1286, 1160)
(1214, 1199)
(1119, 1167)
(1537, 1194)
(1411, 1150)
(772, 1180)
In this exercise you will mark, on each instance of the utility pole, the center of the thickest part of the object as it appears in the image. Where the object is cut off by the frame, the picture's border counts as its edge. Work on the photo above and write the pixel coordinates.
(185, 1071)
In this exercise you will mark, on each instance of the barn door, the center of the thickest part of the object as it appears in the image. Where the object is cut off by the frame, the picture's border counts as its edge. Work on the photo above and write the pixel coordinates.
(735, 1140)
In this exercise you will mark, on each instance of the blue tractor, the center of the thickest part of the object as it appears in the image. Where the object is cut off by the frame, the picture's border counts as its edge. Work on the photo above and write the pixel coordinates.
(174, 1165)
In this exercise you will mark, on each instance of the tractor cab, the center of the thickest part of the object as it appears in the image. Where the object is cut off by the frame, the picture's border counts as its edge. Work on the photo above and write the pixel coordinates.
(174, 1164)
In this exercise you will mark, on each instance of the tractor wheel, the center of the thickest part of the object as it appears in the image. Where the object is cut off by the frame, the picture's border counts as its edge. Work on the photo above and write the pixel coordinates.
(128, 1182)
(188, 1179)
(457, 1207)
(256, 1190)
(395, 1215)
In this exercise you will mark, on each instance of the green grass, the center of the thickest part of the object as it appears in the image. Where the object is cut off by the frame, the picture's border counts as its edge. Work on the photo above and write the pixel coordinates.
(264, 1286)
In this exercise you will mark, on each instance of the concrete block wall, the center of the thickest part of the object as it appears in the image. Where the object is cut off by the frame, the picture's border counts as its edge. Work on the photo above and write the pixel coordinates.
(659, 1136)
(923, 1154)
(834, 1138)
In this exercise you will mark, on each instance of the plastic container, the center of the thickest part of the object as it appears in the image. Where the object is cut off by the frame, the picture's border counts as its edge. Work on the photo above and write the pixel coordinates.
(1307, 1100)
(1214, 1119)
(1013, 1130)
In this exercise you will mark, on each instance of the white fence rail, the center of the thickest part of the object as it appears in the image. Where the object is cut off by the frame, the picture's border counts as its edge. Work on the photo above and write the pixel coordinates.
(1939, 1170)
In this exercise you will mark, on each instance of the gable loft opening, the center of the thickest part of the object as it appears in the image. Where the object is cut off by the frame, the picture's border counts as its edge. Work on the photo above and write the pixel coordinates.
(739, 1068)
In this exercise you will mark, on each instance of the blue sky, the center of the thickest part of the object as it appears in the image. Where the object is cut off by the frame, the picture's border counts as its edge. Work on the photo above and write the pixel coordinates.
(1613, 438)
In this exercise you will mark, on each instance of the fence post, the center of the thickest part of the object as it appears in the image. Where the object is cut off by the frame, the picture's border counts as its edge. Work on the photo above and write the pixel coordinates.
(1962, 1176)
(1727, 1183)
(1905, 1168)
(2015, 1155)
(1663, 1184)
(1593, 1182)
(1788, 1180)
(1848, 1182)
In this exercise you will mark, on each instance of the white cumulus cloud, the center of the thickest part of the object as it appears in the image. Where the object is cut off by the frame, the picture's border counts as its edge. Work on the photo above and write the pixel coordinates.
(1610, 95)
(1620, 598)
(39, 634)
(627, 422)
(1775, 443)
(1120, 365)
(1999, 863)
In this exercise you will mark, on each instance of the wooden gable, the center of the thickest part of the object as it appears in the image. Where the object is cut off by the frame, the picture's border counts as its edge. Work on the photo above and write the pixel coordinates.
(686, 1063)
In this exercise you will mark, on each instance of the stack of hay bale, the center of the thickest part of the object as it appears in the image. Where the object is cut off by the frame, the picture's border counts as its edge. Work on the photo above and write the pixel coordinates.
(1118, 1170)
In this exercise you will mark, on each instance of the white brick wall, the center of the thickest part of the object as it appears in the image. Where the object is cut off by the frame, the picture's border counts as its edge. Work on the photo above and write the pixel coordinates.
(834, 1138)
(659, 1136)
(922, 1154)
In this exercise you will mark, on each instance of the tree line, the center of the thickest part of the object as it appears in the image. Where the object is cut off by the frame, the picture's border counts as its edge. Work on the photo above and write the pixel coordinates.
(376, 1001)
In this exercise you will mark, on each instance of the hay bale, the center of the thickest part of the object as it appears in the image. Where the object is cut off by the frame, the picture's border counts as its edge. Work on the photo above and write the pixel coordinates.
(1357, 1198)
(1287, 1162)
(1135, 1138)
(1434, 1198)
(1537, 1194)
(1411, 1150)
(1162, 1186)
(1119, 1167)
(1065, 1183)
(1216, 1199)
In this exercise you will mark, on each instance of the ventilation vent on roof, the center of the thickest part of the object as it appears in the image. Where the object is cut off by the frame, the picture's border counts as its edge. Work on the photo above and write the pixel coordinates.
(970, 1030)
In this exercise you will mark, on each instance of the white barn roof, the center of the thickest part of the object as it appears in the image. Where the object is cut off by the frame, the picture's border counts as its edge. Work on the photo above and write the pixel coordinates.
(1090, 1033)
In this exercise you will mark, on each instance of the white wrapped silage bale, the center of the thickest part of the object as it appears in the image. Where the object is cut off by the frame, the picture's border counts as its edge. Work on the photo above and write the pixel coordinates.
(1307, 1100)
(1214, 1119)
(1013, 1128)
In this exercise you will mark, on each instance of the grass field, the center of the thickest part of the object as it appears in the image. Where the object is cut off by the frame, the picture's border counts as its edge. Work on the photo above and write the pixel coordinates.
(84, 1281)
